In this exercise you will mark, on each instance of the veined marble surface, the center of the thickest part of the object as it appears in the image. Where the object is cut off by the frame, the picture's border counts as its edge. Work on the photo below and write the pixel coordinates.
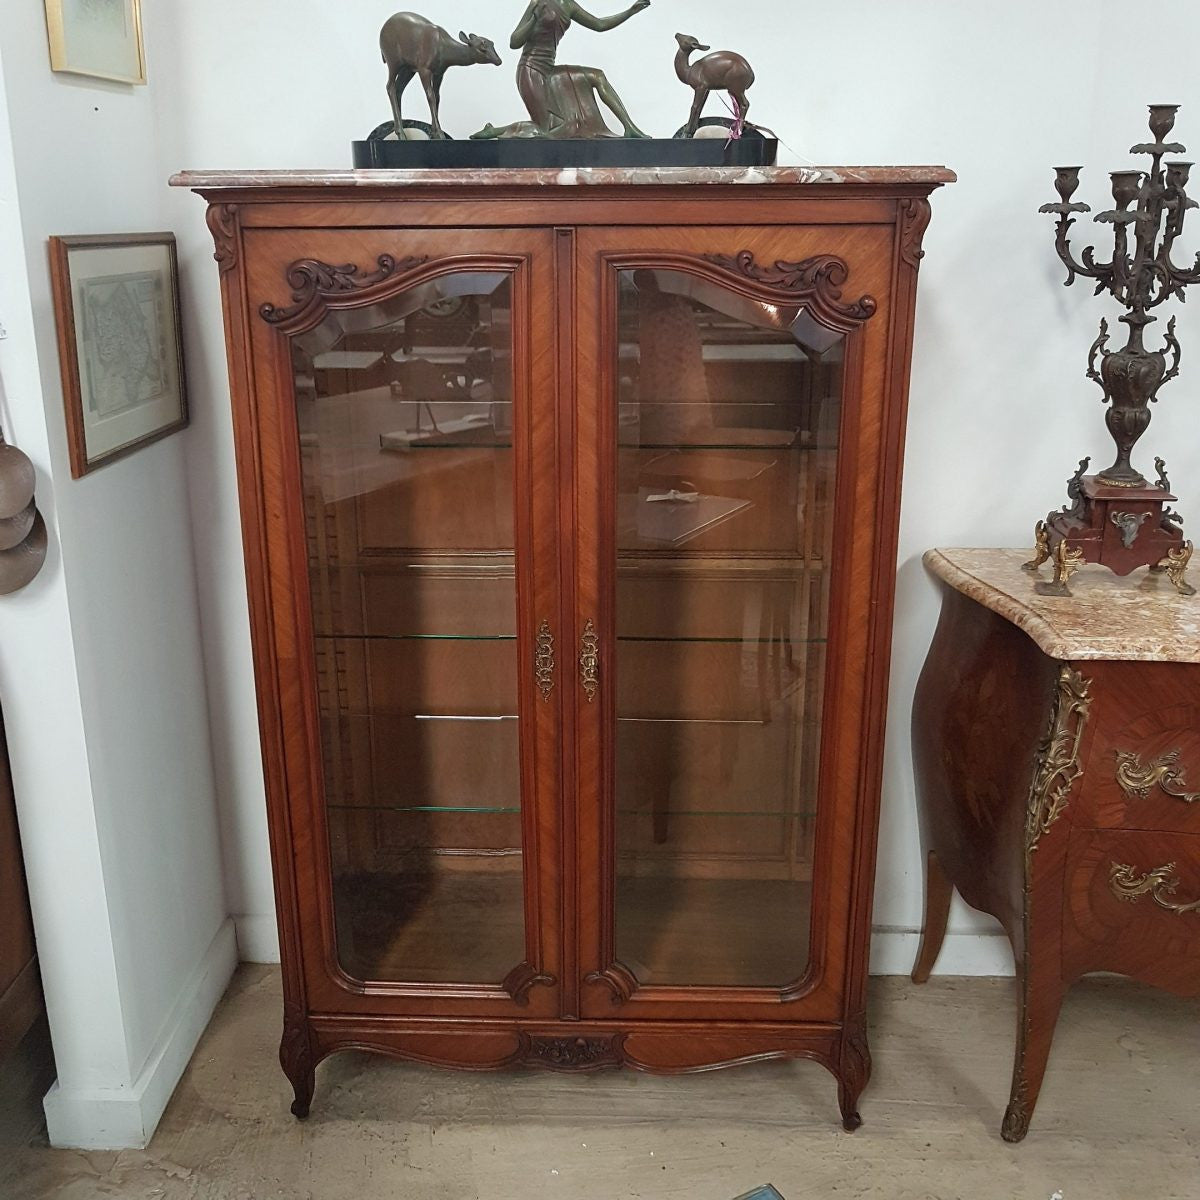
(564, 177)
(1141, 616)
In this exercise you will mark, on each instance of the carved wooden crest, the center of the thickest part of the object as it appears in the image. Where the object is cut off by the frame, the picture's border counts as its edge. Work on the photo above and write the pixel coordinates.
(573, 1053)
(815, 283)
(314, 282)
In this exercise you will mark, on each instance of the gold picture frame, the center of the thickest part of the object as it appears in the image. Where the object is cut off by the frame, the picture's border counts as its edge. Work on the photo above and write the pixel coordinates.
(98, 38)
(120, 343)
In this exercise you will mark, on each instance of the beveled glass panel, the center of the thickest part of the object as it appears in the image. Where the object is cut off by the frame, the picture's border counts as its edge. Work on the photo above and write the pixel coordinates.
(405, 417)
(729, 413)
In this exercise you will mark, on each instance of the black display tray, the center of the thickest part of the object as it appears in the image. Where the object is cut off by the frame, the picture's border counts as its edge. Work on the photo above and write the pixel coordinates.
(552, 152)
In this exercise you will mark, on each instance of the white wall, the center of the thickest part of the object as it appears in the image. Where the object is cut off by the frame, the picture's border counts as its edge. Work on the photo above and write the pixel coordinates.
(101, 666)
(1000, 409)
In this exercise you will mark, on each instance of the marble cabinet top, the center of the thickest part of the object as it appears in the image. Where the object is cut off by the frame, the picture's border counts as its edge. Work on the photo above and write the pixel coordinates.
(1139, 617)
(564, 177)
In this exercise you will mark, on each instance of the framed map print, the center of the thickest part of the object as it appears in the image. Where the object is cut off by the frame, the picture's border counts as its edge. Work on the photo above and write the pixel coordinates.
(102, 38)
(116, 300)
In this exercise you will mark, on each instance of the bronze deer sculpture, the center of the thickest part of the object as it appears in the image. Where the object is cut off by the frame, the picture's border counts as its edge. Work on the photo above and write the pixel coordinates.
(411, 45)
(722, 71)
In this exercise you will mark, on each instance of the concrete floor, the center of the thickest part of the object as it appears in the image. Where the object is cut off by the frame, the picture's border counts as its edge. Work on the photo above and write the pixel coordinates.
(1119, 1118)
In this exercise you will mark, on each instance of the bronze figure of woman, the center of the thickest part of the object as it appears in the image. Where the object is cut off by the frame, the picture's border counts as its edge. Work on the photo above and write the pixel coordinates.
(563, 101)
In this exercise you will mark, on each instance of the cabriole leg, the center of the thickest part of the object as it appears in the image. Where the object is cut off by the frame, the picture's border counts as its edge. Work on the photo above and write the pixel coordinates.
(1041, 549)
(1037, 1015)
(1176, 565)
(854, 1071)
(296, 1058)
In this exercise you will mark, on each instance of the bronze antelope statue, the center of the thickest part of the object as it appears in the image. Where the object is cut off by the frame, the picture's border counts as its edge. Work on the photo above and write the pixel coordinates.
(723, 71)
(411, 45)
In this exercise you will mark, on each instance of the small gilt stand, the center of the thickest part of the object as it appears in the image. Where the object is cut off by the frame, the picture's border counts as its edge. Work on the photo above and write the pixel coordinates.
(1117, 517)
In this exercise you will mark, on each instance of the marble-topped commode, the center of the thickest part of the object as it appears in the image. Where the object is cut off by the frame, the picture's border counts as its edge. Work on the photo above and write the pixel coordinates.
(1139, 617)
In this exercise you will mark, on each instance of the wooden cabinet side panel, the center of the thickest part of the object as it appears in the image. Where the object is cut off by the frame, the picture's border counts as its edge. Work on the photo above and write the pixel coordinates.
(297, 1055)
(981, 711)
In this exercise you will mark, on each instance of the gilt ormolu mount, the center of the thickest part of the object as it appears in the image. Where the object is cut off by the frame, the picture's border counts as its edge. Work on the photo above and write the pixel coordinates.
(1118, 518)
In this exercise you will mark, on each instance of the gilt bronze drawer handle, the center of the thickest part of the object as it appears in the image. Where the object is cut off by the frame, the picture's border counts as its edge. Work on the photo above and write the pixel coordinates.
(543, 660)
(589, 661)
(1164, 771)
(1161, 883)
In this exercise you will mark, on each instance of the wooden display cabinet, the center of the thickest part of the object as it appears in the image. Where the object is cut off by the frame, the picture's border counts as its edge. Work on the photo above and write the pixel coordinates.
(570, 505)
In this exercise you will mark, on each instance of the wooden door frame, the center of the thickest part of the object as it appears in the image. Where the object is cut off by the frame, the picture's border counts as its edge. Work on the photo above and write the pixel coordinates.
(270, 483)
(609, 989)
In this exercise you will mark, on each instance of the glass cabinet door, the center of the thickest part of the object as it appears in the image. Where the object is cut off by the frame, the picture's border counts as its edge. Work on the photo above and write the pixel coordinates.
(409, 453)
(727, 426)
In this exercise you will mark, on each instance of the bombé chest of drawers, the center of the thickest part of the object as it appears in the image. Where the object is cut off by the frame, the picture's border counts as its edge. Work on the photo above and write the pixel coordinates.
(1056, 743)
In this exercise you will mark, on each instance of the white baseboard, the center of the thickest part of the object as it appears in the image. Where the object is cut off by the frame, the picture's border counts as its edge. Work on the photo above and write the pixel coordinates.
(257, 938)
(893, 952)
(125, 1118)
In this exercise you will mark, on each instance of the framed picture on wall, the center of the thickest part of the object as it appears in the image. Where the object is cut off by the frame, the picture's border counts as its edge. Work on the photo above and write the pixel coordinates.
(120, 347)
(101, 38)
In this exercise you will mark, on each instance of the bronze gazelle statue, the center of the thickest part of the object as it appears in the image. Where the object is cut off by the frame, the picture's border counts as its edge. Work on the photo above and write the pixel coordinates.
(411, 45)
(721, 71)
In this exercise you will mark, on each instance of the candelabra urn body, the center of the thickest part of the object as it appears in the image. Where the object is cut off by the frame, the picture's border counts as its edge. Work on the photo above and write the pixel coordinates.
(1117, 517)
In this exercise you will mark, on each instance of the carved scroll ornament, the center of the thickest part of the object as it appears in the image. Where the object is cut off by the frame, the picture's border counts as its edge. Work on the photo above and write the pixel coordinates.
(914, 220)
(573, 1053)
(523, 978)
(815, 282)
(223, 225)
(313, 281)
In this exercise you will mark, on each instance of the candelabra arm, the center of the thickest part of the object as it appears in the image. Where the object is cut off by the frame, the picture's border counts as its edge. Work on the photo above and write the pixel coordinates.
(1181, 278)
(1088, 268)
(1176, 351)
(1097, 350)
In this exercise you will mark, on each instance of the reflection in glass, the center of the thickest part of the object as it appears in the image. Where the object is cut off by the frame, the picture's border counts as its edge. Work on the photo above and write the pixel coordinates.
(405, 417)
(727, 447)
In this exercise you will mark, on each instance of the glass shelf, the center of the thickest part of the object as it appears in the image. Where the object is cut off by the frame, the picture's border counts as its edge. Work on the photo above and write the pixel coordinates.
(490, 810)
(728, 641)
(740, 447)
(382, 713)
(798, 815)
(415, 637)
(683, 447)
(413, 447)
(457, 637)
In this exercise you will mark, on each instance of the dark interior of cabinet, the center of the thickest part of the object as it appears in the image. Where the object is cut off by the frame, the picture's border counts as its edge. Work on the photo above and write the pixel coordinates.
(727, 428)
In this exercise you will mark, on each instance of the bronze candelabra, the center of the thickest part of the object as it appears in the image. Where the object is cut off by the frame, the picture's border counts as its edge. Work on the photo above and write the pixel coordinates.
(1118, 517)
